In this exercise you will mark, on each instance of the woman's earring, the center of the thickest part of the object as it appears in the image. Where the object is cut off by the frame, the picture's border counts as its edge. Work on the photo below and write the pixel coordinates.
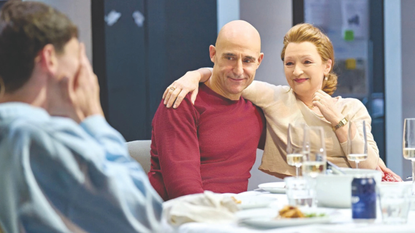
(325, 78)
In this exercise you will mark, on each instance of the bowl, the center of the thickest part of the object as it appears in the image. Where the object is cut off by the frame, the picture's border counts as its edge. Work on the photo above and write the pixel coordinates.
(335, 190)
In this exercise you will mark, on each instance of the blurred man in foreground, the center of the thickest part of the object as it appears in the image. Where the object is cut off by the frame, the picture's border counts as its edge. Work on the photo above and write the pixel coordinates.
(62, 167)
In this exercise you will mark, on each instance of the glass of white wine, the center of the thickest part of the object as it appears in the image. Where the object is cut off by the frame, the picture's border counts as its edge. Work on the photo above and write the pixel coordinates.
(409, 145)
(295, 140)
(314, 160)
(357, 144)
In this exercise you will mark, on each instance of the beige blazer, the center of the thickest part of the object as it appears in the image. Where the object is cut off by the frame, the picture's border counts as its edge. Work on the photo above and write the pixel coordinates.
(281, 107)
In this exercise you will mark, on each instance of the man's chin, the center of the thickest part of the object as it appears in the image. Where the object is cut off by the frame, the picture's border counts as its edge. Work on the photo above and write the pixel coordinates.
(236, 91)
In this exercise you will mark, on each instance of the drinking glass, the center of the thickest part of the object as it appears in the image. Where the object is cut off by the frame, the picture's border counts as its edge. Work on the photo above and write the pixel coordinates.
(409, 145)
(299, 192)
(357, 149)
(295, 140)
(395, 202)
(314, 160)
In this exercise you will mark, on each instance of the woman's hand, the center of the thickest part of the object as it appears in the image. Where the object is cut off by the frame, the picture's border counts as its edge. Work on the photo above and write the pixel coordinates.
(177, 91)
(388, 174)
(325, 104)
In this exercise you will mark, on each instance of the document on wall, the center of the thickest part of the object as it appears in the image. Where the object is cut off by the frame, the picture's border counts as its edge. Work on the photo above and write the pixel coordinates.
(316, 13)
(355, 19)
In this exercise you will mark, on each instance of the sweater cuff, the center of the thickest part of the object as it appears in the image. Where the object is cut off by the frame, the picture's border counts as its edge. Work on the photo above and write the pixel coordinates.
(97, 125)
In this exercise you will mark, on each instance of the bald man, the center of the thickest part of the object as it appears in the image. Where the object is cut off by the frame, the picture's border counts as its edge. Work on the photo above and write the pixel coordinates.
(211, 144)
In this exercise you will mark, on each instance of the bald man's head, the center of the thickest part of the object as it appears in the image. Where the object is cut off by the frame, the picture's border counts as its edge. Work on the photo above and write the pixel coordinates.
(239, 30)
(236, 57)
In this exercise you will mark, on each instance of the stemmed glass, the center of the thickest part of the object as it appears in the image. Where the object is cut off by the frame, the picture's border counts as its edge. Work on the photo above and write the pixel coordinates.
(295, 140)
(409, 145)
(357, 149)
(314, 160)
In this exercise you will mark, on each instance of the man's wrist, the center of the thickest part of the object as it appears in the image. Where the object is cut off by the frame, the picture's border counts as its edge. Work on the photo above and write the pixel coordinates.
(94, 110)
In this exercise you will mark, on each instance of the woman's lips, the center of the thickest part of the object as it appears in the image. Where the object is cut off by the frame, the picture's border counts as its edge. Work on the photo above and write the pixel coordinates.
(300, 80)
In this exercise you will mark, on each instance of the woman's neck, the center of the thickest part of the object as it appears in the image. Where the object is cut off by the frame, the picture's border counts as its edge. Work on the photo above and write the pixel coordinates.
(307, 100)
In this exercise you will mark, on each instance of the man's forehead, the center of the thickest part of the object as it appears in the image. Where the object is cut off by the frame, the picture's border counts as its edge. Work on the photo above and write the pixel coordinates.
(251, 55)
(239, 47)
(72, 46)
(242, 52)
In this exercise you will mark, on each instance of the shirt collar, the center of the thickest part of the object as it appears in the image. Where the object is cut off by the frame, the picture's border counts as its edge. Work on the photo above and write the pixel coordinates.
(18, 109)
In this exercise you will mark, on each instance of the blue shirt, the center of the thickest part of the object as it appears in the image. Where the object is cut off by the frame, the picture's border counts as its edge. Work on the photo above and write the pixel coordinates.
(60, 176)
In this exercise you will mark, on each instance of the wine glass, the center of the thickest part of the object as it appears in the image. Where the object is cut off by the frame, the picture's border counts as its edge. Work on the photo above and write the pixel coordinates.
(357, 144)
(295, 139)
(409, 145)
(314, 160)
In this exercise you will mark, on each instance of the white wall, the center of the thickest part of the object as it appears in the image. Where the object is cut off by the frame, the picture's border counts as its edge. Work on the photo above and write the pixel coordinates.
(272, 18)
(79, 11)
(227, 11)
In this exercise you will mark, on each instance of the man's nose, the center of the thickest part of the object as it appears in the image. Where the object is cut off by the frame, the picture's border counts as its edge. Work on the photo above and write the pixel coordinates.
(238, 69)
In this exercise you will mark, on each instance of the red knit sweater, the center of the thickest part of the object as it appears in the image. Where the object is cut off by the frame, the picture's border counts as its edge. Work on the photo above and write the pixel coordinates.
(210, 145)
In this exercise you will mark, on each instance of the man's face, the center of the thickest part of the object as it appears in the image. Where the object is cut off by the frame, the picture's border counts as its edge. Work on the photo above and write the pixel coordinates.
(68, 61)
(62, 79)
(235, 64)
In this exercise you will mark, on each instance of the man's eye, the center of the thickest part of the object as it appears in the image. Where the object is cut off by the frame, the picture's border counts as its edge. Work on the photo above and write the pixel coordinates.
(229, 58)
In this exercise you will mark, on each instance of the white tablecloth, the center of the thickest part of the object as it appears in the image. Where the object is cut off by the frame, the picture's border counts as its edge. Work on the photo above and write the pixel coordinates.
(341, 223)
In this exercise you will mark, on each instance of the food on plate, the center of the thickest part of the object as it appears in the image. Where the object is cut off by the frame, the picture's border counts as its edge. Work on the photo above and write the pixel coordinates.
(236, 200)
(293, 212)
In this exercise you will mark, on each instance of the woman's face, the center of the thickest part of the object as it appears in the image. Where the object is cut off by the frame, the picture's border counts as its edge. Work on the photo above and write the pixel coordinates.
(304, 68)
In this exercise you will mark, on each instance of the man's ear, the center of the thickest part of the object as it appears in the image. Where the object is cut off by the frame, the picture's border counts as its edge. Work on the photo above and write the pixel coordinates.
(47, 59)
(212, 53)
(261, 56)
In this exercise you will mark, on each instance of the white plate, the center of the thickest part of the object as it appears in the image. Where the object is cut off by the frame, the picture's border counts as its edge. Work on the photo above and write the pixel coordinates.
(273, 187)
(266, 218)
(250, 202)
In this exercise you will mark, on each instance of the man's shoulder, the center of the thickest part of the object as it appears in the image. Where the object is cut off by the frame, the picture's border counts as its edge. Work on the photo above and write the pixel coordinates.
(18, 122)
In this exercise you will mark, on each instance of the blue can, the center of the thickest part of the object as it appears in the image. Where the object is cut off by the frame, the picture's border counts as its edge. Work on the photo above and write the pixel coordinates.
(364, 198)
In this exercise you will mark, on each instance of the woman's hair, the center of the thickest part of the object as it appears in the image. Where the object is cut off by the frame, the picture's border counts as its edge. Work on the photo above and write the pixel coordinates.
(308, 33)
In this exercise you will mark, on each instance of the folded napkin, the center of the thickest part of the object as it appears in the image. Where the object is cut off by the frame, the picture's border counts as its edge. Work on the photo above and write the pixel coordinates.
(207, 207)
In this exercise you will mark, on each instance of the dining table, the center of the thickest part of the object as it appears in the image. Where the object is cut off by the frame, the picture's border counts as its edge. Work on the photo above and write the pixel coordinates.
(338, 220)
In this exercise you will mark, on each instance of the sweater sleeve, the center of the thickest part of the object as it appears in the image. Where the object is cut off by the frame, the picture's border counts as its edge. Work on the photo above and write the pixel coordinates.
(361, 114)
(106, 136)
(176, 139)
(265, 95)
(259, 93)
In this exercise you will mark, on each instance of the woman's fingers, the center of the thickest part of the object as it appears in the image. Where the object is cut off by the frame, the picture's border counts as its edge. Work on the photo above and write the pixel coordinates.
(171, 96)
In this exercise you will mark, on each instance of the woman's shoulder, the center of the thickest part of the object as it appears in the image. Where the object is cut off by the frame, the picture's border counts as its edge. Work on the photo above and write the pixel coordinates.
(351, 104)
(349, 101)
